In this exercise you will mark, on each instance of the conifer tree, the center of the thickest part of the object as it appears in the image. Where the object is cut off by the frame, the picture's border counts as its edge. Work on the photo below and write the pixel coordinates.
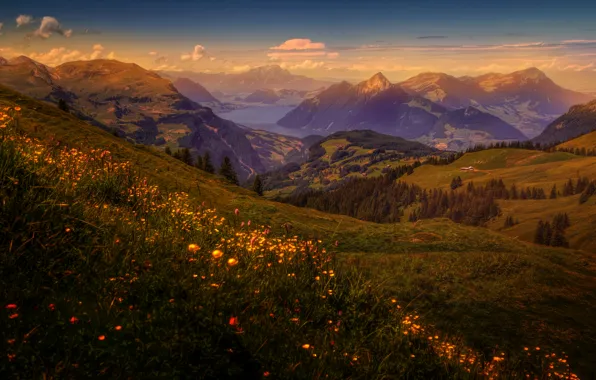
(199, 164)
(257, 185)
(168, 151)
(553, 192)
(63, 106)
(227, 170)
(186, 157)
(207, 165)
(539, 234)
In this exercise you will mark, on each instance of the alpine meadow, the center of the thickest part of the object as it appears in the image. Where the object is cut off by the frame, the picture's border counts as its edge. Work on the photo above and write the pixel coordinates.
(307, 190)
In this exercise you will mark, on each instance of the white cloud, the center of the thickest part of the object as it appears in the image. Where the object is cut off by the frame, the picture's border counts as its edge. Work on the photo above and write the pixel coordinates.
(167, 68)
(112, 55)
(152, 53)
(282, 55)
(306, 65)
(49, 25)
(197, 53)
(579, 42)
(161, 60)
(332, 55)
(23, 20)
(212, 59)
(299, 44)
(56, 56)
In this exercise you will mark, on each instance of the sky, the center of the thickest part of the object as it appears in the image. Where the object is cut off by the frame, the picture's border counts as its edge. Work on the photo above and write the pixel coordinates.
(346, 39)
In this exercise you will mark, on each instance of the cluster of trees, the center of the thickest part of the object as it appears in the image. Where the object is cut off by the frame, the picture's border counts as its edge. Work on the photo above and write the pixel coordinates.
(588, 192)
(444, 160)
(383, 200)
(204, 163)
(512, 145)
(474, 205)
(553, 233)
(510, 222)
(456, 182)
(579, 151)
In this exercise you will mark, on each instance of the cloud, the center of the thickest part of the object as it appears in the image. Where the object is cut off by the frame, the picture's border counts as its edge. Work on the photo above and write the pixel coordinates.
(431, 37)
(152, 53)
(576, 67)
(212, 59)
(56, 56)
(111, 55)
(306, 65)
(167, 68)
(161, 60)
(567, 42)
(197, 53)
(281, 55)
(332, 55)
(241, 68)
(23, 20)
(299, 44)
(97, 51)
(91, 31)
(49, 25)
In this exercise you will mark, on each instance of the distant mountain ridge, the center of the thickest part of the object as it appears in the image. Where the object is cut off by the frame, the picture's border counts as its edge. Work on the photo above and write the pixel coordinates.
(387, 108)
(265, 77)
(526, 99)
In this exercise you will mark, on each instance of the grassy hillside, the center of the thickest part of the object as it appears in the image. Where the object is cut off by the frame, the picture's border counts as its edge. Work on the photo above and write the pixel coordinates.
(432, 265)
(525, 168)
(587, 141)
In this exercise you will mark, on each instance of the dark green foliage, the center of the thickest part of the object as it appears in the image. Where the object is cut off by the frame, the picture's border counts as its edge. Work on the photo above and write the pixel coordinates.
(456, 182)
(168, 151)
(200, 164)
(553, 192)
(207, 164)
(588, 192)
(553, 234)
(568, 189)
(186, 157)
(445, 159)
(257, 185)
(509, 222)
(227, 171)
(63, 105)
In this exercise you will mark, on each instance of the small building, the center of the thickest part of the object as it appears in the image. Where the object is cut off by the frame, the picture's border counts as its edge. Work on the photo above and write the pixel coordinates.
(467, 169)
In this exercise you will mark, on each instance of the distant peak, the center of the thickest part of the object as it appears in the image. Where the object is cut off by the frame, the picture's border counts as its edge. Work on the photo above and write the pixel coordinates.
(532, 73)
(376, 83)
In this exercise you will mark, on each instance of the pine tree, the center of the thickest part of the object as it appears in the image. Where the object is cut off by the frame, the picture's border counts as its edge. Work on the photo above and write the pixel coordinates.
(558, 239)
(553, 192)
(168, 151)
(207, 165)
(539, 234)
(186, 157)
(199, 164)
(63, 106)
(257, 185)
(227, 170)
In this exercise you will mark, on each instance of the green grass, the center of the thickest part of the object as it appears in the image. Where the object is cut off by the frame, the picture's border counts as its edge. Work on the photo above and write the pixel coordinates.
(383, 252)
(587, 141)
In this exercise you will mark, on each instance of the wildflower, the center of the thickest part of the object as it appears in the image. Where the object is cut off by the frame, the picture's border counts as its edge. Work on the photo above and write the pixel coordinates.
(118, 328)
(11, 306)
(193, 248)
(236, 212)
(266, 373)
(101, 337)
(233, 321)
(13, 316)
(306, 346)
(232, 262)
(52, 307)
(73, 320)
(217, 254)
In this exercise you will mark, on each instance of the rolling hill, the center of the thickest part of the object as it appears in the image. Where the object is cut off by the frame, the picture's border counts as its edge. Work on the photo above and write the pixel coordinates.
(491, 289)
(585, 141)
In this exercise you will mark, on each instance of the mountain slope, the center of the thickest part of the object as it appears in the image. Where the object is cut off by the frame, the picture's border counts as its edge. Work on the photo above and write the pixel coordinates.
(466, 127)
(494, 281)
(265, 77)
(526, 99)
(138, 104)
(579, 120)
(374, 104)
(194, 91)
(266, 96)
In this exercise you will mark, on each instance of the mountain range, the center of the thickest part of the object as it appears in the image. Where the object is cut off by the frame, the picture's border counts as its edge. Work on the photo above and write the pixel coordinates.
(137, 104)
(579, 120)
(265, 77)
(440, 109)
(526, 99)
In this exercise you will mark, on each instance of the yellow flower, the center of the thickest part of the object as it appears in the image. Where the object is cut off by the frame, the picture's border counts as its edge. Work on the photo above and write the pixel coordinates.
(193, 247)
(306, 346)
(232, 262)
(217, 254)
